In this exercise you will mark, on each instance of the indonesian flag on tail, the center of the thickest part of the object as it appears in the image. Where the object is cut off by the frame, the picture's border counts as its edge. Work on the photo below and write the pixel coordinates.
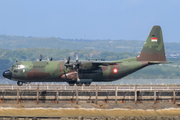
(154, 39)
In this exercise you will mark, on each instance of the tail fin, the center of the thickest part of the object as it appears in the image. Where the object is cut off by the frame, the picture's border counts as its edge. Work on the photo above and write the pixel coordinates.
(153, 49)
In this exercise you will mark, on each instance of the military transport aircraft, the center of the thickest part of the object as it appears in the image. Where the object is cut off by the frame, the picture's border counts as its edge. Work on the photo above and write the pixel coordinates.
(84, 72)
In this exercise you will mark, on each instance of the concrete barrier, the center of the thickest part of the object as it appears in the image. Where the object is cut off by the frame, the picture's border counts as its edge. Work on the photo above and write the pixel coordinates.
(90, 94)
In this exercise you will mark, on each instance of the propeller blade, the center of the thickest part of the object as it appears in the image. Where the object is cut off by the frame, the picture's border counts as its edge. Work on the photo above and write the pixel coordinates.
(76, 58)
(47, 58)
(74, 66)
(40, 57)
(65, 60)
(68, 60)
(78, 75)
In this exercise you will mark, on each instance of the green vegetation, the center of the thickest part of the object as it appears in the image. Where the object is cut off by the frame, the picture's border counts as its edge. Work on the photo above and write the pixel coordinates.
(16, 42)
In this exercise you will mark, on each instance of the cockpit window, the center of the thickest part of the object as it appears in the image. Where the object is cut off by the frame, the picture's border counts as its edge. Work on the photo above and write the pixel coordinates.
(18, 66)
(21, 66)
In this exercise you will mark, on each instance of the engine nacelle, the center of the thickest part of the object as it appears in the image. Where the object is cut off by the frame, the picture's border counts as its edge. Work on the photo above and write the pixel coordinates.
(70, 76)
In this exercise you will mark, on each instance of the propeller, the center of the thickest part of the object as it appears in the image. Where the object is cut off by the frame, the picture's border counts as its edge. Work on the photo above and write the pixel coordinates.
(67, 62)
(73, 65)
(77, 64)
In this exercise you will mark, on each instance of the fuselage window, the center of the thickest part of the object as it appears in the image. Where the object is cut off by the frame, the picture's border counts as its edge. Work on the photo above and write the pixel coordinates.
(15, 71)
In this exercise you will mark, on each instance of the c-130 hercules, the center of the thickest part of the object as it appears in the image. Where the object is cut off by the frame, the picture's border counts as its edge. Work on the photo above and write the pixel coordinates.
(84, 72)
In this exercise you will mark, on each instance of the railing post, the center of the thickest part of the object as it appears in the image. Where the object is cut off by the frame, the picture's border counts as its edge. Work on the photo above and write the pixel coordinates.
(96, 101)
(17, 95)
(37, 99)
(76, 95)
(116, 95)
(57, 95)
(154, 95)
(135, 93)
(174, 96)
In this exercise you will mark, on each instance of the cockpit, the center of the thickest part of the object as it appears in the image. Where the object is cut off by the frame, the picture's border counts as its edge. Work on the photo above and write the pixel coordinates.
(17, 66)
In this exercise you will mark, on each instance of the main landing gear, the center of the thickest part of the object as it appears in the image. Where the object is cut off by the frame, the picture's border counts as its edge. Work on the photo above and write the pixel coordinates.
(19, 83)
(87, 84)
(71, 83)
(79, 84)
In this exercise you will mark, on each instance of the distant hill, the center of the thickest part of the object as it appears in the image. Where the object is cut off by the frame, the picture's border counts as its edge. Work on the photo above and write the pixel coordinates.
(16, 42)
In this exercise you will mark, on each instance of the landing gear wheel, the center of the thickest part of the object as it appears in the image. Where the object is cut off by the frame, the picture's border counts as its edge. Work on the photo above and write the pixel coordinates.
(79, 84)
(19, 83)
(87, 84)
(71, 84)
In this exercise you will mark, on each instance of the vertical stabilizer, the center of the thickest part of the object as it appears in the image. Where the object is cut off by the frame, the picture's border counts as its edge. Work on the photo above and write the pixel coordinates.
(153, 49)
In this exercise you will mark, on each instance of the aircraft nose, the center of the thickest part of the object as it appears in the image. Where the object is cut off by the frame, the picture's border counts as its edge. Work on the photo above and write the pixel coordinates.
(7, 74)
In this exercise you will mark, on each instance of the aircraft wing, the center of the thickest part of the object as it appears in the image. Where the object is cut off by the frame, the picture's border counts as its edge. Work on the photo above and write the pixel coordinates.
(105, 63)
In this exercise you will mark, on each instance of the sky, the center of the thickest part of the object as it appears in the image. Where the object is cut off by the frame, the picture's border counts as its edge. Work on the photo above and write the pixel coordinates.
(90, 19)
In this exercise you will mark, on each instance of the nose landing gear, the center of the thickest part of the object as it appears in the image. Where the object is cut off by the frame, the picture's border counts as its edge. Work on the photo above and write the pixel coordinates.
(19, 83)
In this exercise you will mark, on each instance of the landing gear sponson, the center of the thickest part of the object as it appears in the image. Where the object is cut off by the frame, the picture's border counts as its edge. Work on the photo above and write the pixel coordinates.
(20, 83)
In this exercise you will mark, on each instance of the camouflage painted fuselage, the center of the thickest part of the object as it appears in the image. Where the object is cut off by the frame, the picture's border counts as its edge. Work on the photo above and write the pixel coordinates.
(54, 71)
(90, 71)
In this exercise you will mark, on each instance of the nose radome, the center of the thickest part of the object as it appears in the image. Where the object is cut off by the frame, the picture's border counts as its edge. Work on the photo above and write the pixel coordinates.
(7, 74)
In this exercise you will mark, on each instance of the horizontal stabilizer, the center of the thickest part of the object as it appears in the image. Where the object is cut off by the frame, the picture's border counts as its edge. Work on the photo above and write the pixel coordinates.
(158, 62)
